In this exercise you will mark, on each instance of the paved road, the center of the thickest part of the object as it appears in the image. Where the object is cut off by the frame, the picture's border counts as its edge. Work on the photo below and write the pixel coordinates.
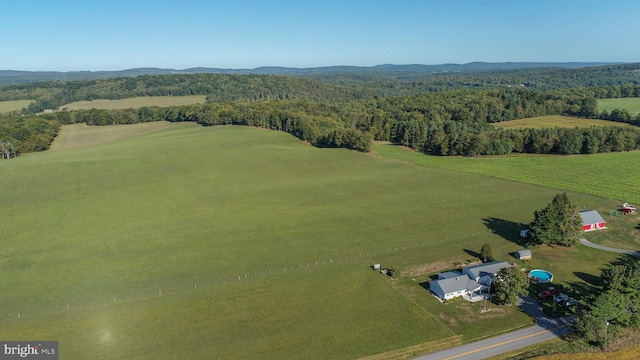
(499, 344)
(606, 248)
(545, 329)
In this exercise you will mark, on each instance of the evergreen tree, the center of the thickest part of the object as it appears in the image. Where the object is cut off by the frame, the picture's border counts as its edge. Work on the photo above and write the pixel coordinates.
(557, 223)
(486, 254)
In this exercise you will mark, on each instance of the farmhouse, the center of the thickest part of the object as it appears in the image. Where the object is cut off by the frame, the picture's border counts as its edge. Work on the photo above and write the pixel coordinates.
(450, 288)
(484, 273)
(469, 283)
(523, 254)
(591, 220)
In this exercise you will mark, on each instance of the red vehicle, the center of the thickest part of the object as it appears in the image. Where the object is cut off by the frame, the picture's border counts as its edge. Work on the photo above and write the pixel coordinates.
(549, 293)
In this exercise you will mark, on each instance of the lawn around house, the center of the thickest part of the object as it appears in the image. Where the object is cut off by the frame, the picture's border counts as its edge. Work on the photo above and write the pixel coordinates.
(247, 243)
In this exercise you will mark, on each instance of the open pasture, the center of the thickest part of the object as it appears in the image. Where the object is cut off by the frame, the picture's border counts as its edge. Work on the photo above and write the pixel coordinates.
(13, 105)
(632, 105)
(80, 135)
(135, 102)
(610, 175)
(540, 122)
(232, 242)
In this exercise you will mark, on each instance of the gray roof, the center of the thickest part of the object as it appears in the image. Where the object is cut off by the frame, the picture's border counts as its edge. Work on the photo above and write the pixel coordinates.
(454, 284)
(487, 269)
(449, 274)
(525, 252)
(590, 217)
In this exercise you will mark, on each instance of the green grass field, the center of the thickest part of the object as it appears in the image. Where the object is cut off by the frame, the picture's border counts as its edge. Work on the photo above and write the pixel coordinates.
(632, 105)
(608, 175)
(232, 242)
(80, 135)
(554, 121)
(136, 102)
(13, 105)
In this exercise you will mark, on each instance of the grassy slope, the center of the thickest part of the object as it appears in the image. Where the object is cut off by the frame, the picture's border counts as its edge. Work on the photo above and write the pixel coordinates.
(136, 102)
(632, 105)
(555, 121)
(206, 206)
(609, 175)
(80, 135)
(13, 105)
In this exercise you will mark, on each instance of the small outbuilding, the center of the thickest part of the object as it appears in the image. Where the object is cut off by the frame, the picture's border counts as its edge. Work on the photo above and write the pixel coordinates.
(523, 254)
(591, 220)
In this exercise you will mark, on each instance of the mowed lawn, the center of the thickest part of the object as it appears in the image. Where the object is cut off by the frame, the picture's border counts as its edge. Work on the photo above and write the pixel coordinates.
(135, 102)
(632, 105)
(540, 122)
(14, 105)
(232, 242)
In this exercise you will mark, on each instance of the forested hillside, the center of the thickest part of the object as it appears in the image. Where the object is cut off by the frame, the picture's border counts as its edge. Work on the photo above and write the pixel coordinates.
(444, 115)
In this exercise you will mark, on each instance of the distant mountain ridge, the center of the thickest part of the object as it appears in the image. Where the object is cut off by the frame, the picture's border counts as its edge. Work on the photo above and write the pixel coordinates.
(18, 77)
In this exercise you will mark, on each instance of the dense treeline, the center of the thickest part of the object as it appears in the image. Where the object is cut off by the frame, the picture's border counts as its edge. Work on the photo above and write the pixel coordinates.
(317, 123)
(458, 123)
(22, 134)
(217, 88)
(603, 82)
(452, 122)
(406, 83)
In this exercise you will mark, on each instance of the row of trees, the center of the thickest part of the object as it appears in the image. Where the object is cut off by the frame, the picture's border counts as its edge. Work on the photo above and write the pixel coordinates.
(616, 306)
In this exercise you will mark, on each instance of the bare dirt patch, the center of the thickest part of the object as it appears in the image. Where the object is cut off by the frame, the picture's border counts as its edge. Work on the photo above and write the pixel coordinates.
(425, 269)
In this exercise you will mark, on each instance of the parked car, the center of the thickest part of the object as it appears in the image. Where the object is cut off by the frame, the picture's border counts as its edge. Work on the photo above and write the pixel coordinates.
(560, 299)
(570, 302)
(549, 293)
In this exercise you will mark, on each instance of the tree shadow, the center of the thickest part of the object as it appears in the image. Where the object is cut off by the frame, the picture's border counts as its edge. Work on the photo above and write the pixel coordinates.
(472, 253)
(507, 229)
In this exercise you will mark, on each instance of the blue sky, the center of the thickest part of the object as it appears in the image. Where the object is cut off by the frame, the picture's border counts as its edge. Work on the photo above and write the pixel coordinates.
(66, 35)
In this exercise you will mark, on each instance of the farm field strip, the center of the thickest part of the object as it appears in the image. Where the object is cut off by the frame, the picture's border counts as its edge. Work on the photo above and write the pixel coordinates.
(80, 135)
(610, 175)
(13, 105)
(555, 121)
(135, 102)
(632, 105)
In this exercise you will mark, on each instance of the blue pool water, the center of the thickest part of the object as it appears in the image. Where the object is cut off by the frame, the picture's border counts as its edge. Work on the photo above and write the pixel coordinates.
(541, 276)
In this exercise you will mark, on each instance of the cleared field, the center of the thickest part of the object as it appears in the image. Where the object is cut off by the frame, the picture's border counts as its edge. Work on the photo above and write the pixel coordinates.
(231, 242)
(554, 121)
(14, 105)
(135, 102)
(80, 135)
(611, 175)
(632, 105)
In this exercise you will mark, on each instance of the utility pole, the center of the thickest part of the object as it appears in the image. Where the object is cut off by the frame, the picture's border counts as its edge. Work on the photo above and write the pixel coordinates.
(606, 324)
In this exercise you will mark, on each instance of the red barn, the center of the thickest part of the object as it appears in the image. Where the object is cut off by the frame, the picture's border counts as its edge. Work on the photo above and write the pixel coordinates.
(591, 220)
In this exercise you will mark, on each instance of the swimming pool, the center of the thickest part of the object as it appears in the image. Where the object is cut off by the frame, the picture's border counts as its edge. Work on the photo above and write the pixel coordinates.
(541, 276)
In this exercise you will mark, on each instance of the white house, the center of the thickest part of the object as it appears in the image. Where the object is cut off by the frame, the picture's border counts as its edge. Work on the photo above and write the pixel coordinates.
(471, 282)
(484, 273)
(450, 288)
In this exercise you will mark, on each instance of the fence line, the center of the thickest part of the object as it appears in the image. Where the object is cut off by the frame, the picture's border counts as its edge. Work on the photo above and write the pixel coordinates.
(171, 290)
